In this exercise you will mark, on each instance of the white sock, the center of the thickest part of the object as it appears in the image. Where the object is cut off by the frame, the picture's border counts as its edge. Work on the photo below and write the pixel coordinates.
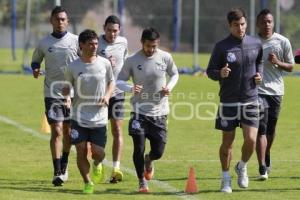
(226, 174)
(242, 164)
(116, 164)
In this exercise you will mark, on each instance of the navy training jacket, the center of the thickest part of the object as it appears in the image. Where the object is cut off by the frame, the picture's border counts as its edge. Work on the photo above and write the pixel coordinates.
(244, 58)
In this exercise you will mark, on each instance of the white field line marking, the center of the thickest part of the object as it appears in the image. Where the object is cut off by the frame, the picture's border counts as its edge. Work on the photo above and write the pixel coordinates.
(23, 128)
(160, 184)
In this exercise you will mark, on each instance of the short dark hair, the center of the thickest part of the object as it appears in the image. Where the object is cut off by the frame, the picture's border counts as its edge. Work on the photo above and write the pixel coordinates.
(235, 14)
(263, 12)
(150, 34)
(113, 20)
(87, 35)
(57, 9)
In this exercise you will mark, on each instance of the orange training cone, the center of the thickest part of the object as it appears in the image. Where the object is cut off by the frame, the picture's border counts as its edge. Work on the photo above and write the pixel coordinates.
(45, 127)
(191, 185)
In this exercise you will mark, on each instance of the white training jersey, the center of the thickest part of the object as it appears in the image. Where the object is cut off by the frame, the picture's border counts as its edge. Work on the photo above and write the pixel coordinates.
(57, 53)
(272, 83)
(90, 81)
(118, 50)
(151, 73)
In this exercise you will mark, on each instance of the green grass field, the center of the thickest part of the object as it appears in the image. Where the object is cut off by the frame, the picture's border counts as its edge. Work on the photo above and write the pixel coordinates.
(26, 167)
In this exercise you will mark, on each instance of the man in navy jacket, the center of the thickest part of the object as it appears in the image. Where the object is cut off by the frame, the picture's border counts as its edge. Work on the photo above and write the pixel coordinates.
(236, 62)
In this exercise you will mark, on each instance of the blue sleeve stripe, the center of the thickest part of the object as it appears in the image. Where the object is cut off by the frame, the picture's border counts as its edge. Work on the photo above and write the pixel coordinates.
(35, 65)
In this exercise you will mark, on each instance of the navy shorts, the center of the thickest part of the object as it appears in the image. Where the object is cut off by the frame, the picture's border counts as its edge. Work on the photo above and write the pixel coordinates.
(154, 127)
(269, 112)
(116, 107)
(231, 116)
(56, 111)
(95, 135)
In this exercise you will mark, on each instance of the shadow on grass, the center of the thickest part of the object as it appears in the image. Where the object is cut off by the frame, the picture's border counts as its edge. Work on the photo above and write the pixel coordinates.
(275, 178)
(33, 186)
(46, 186)
(252, 178)
(263, 190)
(185, 178)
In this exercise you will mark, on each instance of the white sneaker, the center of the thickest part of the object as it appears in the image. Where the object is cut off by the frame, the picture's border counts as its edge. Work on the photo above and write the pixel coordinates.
(263, 174)
(65, 176)
(226, 185)
(243, 180)
(263, 177)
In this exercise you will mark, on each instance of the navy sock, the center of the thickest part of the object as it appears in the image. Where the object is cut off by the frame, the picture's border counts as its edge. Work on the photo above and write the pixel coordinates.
(64, 161)
(262, 169)
(57, 166)
(268, 160)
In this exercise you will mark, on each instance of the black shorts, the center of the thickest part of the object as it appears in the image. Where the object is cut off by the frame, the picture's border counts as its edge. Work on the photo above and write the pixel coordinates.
(269, 113)
(231, 116)
(56, 111)
(150, 126)
(95, 135)
(116, 107)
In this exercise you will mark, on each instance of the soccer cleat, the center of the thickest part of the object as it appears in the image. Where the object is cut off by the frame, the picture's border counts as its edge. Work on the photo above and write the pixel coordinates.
(57, 180)
(243, 180)
(226, 185)
(98, 173)
(88, 188)
(116, 176)
(149, 168)
(143, 186)
(263, 174)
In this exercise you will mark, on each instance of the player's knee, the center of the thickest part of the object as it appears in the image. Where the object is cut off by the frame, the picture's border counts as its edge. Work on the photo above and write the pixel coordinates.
(250, 141)
(56, 130)
(98, 154)
(226, 145)
(155, 155)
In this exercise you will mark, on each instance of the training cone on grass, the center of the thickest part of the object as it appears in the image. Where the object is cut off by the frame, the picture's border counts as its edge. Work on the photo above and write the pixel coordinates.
(191, 185)
(45, 127)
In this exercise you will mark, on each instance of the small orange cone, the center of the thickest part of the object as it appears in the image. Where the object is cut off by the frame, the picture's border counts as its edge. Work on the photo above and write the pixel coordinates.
(45, 127)
(191, 185)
